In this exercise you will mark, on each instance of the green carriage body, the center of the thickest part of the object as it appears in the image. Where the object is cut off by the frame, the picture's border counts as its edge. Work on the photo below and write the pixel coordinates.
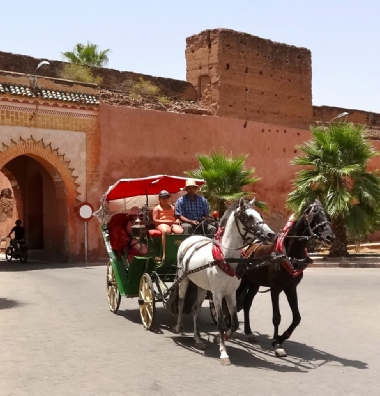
(128, 273)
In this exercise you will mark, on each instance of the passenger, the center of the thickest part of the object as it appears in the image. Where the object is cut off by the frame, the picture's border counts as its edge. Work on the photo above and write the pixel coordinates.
(163, 216)
(134, 213)
(192, 209)
(164, 219)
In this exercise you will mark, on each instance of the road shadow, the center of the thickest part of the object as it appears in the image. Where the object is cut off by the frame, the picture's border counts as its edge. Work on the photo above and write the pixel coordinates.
(164, 321)
(6, 303)
(239, 356)
(301, 358)
(304, 356)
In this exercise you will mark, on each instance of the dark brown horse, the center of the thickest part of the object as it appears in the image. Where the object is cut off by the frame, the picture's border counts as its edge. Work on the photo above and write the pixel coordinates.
(284, 275)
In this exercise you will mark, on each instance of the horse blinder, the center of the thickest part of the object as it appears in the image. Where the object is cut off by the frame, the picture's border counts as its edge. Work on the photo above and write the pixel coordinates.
(309, 217)
(249, 224)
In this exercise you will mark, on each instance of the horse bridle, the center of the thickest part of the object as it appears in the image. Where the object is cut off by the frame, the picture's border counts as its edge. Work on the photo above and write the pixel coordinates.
(254, 229)
(309, 218)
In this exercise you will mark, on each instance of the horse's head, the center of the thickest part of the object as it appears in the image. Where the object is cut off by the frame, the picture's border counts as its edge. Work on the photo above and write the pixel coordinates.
(318, 222)
(251, 224)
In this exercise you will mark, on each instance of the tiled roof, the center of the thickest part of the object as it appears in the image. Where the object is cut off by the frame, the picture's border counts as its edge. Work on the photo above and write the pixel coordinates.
(73, 97)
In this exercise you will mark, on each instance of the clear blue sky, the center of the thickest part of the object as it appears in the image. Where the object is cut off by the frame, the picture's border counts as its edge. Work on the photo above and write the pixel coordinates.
(150, 36)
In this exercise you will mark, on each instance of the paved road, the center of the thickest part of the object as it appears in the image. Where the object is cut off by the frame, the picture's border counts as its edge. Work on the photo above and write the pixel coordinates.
(59, 338)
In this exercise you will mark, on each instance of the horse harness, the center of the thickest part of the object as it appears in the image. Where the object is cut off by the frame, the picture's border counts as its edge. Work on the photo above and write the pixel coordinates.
(219, 259)
(288, 263)
(309, 218)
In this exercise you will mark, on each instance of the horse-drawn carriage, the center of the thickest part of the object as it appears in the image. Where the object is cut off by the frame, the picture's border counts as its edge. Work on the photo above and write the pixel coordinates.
(212, 264)
(130, 272)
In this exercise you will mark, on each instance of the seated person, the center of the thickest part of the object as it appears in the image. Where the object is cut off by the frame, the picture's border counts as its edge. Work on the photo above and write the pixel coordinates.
(191, 209)
(164, 218)
(134, 213)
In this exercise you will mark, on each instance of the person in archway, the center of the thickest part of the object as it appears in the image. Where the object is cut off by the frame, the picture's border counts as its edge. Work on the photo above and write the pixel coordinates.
(19, 231)
(192, 209)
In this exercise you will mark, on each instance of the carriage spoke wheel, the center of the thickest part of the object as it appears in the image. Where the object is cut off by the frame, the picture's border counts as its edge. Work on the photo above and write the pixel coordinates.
(113, 293)
(146, 301)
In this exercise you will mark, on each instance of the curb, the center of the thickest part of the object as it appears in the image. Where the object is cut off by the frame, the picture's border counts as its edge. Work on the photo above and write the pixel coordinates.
(344, 264)
(354, 261)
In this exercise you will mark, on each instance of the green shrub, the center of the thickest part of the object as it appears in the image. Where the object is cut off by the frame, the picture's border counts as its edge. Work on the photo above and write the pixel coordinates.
(143, 87)
(164, 100)
(75, 72)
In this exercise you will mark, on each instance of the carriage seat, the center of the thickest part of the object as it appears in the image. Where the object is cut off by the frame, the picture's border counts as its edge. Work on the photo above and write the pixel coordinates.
(154, 233)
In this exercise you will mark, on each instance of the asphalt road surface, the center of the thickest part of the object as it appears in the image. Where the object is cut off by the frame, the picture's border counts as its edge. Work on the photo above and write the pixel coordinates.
(58, 337)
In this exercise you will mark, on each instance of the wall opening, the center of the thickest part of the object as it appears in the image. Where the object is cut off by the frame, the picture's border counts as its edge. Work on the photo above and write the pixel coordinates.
(43, 204)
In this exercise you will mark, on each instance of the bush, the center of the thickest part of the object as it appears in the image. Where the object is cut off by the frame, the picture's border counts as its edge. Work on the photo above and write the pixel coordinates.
(75, 72)
(164, 100)
(145, 88)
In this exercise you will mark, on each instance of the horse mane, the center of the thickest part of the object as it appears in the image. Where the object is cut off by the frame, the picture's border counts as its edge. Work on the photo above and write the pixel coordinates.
(227, 213)
(306, 206)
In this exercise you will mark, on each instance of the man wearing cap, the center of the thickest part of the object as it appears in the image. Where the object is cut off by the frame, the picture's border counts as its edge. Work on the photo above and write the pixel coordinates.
(191, 209)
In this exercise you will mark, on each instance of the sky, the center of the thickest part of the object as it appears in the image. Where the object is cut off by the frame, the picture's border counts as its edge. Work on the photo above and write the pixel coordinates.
(149, 36)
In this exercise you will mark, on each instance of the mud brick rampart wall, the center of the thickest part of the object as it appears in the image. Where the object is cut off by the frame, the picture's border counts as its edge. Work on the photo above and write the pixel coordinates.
(251, 78)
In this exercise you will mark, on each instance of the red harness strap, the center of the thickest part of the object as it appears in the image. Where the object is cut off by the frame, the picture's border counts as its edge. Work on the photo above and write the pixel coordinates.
(218, 255)
(280, 249)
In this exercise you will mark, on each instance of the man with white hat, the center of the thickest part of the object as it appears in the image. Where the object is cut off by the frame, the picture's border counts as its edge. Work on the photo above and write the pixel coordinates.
(191, 209)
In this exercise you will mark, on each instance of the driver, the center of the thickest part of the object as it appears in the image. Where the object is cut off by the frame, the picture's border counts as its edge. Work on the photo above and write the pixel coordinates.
(192, 209)
(19, 234)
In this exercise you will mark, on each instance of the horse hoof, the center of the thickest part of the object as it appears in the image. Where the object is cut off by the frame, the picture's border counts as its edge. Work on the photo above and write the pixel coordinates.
(280, 352)
(216, 340)
(225, 361)
(200, 345)
(253, 339)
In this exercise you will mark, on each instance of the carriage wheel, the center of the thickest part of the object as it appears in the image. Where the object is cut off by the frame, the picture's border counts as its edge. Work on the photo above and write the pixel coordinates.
(9, 253)
(113, 293)
(146, 301)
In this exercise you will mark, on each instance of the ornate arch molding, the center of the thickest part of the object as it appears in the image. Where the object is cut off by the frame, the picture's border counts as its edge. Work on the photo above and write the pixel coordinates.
(16, 191)
(50, 158)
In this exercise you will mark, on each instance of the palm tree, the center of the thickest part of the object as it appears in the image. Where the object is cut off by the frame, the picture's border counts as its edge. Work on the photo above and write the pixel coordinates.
(87, 55)
(225, 178)
(336, 173)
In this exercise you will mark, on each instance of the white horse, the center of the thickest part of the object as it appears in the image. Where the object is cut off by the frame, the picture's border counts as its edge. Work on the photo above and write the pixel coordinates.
(242, 224)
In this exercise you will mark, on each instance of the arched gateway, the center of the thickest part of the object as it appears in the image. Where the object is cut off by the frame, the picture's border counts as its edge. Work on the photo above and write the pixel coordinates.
(45, 191)
(49, 159)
